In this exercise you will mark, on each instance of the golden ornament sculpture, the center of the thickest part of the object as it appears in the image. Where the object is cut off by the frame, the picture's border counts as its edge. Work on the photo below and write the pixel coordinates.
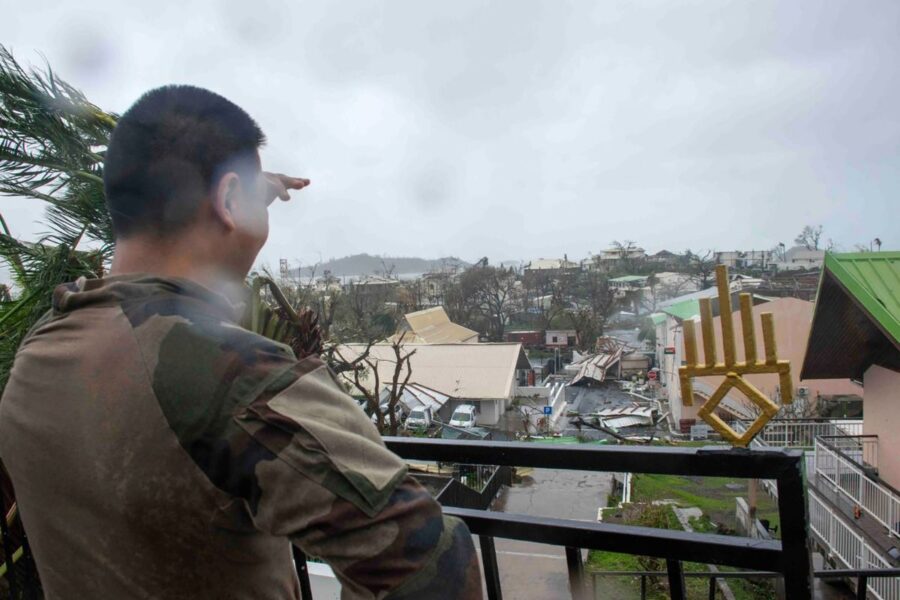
(733, 370)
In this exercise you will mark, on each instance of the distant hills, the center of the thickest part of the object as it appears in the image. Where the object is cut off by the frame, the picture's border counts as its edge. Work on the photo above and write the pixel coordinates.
(366, 264)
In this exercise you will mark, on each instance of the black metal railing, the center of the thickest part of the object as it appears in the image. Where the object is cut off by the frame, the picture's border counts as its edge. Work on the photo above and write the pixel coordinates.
(859, 576)
(789, 557)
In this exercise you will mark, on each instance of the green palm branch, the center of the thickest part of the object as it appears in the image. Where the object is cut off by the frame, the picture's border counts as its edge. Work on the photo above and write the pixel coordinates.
(52, 141)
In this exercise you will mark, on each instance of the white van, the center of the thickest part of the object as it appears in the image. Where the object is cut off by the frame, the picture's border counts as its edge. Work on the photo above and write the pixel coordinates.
(419, 418)
(463, 416)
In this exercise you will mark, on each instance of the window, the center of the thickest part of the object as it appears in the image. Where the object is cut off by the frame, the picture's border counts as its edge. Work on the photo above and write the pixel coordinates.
(554, 339)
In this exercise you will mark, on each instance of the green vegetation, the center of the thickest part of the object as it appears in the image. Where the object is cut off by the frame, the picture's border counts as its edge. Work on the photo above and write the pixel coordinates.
(660, 516)
(715, 496)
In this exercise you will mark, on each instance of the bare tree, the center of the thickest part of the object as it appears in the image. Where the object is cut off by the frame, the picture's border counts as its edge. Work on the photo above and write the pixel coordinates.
(809, 237)
(386, 271)
(625, 249)
(411, 296)
(491, 290)
(594, 303)
(701, 268)
(548, 294)
(364, 366)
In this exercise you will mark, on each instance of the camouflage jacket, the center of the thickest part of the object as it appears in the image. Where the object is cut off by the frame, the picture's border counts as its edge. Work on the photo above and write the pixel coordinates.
(158, 450)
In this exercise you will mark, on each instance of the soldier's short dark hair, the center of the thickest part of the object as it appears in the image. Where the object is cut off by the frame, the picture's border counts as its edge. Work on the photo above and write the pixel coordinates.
(168, 151)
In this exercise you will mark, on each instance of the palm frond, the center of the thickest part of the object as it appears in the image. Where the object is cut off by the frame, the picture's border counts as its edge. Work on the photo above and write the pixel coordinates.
(270, 314)
(52, 141)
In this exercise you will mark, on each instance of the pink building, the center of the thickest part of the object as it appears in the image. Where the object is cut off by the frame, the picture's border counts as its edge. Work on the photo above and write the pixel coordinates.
(793, 320)
(856, 334)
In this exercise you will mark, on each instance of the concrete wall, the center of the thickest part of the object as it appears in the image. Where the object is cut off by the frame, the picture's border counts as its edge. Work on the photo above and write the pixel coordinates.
(670, 333)
(881, 417)
(531, 391)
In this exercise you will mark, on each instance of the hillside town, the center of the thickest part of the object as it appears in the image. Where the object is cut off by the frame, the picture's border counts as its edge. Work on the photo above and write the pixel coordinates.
(587, 351)
(210, 389)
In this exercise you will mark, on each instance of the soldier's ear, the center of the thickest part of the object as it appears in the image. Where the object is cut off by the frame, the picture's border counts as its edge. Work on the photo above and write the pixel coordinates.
(224, 200)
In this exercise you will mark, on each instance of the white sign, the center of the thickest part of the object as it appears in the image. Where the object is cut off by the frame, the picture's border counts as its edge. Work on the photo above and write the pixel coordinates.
(700, 432)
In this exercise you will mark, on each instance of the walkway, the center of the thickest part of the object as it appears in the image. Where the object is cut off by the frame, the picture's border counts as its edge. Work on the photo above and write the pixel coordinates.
(874, 532)
(538, 571)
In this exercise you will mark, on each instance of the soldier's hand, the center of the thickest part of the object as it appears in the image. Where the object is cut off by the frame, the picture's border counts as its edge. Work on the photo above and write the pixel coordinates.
(277, 186)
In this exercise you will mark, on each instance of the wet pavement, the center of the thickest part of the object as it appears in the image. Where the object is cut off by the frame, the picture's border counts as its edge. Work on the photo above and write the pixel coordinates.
(539, 571)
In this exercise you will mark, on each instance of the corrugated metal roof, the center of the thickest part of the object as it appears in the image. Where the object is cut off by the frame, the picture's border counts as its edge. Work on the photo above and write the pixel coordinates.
(433, 326)
(710, 292)
(415, 396)
(684, 310)
(477, 371)
(857, 317)
(594, 366)
(874, 280)
(658, 318)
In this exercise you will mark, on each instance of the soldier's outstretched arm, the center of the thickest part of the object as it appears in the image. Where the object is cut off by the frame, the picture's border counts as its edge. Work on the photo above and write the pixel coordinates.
(320, 474)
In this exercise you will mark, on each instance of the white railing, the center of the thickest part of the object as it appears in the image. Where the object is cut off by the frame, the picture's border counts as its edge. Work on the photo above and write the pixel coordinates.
(799, 433)
(861, 449)
(843, 543)
(850, 548)
(847, 477)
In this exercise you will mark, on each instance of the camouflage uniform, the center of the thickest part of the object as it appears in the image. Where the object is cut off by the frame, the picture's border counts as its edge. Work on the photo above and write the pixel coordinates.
(158, 450)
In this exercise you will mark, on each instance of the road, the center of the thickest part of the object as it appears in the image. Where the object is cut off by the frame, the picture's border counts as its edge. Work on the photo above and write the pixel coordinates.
(539, 571)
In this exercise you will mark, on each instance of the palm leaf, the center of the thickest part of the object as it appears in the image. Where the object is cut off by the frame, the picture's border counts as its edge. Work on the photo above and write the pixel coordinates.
(269, 313)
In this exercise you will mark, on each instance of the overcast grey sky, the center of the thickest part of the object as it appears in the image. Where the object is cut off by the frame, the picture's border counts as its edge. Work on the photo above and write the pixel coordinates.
(523, 129)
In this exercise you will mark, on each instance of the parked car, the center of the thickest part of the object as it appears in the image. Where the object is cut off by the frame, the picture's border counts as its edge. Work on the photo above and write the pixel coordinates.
(463, 416)
(419, 418)
(385, 410)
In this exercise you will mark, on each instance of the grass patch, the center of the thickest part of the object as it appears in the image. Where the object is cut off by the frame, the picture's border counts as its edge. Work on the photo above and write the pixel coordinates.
(715, 496)
(647, 515)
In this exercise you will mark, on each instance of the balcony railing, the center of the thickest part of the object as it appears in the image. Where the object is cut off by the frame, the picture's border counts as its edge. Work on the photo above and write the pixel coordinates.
(802, 433)
(846, 463)
(851, 549)
(790, 557)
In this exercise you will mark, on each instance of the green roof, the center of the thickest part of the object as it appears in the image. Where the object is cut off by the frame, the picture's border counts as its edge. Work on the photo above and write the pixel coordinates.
(873, 278)
(684, 310)
(658, 318)
(856, 322)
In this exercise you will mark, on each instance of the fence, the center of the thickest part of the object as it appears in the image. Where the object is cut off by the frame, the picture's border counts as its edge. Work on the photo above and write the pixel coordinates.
(862, 577)
(461, 494)
(845, 473)
(850, 547)
(789, 556)
(802, 433)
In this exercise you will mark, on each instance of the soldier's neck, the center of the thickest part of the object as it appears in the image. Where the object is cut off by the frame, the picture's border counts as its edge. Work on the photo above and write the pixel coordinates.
(173, 258)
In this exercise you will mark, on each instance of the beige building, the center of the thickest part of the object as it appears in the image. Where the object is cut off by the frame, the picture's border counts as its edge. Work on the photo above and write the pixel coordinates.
(481, 374)
(433, 326)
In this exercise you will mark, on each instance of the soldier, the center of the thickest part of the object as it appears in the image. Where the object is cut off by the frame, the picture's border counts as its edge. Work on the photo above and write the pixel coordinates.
(157, 449)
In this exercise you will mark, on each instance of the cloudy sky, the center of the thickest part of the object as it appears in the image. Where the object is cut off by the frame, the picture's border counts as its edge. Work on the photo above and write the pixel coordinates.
(523, 129)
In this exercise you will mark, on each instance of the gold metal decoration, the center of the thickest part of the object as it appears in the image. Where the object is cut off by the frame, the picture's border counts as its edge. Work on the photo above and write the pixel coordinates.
(733, 370)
